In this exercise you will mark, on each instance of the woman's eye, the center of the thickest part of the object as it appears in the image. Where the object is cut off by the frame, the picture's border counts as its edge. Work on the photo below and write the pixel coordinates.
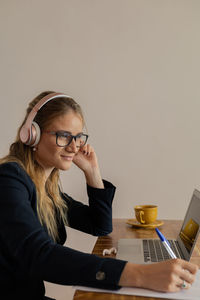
(62, 136)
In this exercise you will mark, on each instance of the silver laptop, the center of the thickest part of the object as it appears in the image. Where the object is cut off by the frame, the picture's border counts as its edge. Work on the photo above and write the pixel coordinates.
(152, 250)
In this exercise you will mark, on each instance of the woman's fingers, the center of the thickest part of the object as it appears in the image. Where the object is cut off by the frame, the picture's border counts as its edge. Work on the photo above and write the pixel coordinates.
(87, 149)
(169, 276)
(185, 273)
(189, 267)
(183, 284)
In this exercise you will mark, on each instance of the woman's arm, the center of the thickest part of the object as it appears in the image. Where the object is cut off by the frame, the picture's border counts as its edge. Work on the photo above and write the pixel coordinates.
(167, 276)
(28, 253)
(96, 218)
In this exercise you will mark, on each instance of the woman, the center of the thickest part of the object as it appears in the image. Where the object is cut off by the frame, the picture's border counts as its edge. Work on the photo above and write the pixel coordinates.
(34, 210)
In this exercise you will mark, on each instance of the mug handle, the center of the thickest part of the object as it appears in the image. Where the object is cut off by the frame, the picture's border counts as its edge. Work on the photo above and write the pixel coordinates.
(141, 213)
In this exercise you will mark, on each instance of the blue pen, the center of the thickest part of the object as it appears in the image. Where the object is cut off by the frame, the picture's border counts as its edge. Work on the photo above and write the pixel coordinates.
(165, 243)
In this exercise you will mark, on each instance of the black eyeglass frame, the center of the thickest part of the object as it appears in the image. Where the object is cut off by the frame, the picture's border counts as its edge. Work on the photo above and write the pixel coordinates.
(64, 133)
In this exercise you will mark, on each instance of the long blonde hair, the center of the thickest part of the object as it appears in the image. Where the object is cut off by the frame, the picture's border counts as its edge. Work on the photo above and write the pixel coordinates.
(50, 204)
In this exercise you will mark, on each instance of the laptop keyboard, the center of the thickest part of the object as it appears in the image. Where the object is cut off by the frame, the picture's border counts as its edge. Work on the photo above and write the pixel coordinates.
(154, 250)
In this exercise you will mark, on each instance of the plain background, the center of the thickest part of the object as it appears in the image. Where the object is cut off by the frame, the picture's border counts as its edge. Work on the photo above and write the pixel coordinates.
(134, 66)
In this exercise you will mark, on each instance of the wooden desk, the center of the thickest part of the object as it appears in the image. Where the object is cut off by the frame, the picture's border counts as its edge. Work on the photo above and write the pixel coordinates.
(121, 230)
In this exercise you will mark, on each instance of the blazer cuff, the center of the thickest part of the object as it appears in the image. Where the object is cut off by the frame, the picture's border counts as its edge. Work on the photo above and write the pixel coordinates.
(108, 191)
(107, 275)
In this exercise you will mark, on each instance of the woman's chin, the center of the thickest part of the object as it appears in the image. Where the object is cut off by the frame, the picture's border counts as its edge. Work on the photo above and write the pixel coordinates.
(65, 167)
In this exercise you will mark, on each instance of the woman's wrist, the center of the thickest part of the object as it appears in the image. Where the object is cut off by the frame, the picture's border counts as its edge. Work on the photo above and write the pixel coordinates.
(93, 178)
(131, 275)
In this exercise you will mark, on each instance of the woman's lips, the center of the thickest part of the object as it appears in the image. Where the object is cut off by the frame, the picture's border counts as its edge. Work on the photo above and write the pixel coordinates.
(68, 158)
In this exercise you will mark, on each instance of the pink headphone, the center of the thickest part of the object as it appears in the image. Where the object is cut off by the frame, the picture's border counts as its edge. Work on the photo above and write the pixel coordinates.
(30, 131)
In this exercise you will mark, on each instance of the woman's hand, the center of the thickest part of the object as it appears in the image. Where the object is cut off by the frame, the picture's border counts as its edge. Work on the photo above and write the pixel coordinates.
(167, 276)
(86, 160)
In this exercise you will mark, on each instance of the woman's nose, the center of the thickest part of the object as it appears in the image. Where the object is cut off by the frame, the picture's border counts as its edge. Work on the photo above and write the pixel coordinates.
(72, 146)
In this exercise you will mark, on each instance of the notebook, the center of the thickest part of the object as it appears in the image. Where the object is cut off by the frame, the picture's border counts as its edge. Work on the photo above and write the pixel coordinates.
(152, 250)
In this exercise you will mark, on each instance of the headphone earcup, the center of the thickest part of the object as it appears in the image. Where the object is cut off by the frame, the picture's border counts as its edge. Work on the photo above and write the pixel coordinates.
(30, 131)
(35, 134)
(24, 135)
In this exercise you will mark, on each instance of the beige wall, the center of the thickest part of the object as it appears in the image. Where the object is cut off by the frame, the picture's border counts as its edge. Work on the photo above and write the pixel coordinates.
(134, 68)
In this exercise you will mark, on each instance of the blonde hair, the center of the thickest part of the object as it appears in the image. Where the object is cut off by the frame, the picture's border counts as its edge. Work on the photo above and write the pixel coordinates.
(50, 204)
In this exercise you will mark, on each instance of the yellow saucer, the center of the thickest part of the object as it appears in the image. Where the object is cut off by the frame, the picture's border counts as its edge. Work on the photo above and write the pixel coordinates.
(135, 223)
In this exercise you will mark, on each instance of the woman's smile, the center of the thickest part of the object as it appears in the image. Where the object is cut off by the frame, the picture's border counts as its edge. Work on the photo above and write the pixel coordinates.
(67, 157)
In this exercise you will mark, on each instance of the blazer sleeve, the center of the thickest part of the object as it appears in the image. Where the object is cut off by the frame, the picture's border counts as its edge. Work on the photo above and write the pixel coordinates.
(95, 218)
(26, 250)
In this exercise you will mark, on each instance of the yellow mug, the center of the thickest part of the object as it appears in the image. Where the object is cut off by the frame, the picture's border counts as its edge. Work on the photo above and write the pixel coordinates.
(146, 214)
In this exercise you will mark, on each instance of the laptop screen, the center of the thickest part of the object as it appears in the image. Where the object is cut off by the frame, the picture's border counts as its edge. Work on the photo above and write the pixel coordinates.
(191, 225)
(188, 234)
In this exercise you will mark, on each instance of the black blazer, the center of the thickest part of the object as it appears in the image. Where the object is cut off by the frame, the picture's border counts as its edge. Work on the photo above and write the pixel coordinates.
(28, 255)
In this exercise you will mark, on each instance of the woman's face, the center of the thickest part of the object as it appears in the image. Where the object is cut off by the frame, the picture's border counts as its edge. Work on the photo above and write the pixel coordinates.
(48, 154)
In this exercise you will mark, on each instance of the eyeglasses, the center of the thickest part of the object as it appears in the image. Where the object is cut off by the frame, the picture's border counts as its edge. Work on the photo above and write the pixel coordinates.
(64, 138)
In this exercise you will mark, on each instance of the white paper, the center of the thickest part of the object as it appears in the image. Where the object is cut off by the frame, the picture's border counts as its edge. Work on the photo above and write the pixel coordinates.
(79, 240)
(192, 294)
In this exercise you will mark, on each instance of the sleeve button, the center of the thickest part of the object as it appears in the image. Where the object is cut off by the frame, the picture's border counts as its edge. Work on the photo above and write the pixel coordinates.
(100, 275)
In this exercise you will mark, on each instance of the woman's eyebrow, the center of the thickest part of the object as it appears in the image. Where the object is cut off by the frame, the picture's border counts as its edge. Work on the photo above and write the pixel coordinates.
(69, 132)
(63, 131)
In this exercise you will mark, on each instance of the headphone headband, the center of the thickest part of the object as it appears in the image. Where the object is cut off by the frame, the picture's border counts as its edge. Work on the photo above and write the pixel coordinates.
(26, 130)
